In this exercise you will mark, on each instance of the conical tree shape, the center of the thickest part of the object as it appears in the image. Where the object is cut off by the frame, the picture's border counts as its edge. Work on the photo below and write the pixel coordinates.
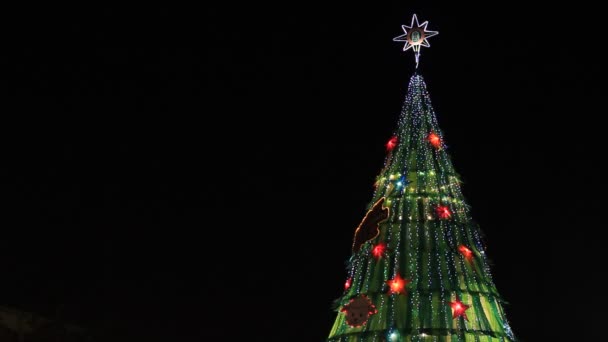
(418, 271)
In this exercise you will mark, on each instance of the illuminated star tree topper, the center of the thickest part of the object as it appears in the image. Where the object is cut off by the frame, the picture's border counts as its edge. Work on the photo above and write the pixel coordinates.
(415, 36)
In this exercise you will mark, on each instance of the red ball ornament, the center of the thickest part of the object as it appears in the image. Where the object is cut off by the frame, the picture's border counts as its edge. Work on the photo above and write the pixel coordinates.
(378, 250)
(465, 251)
(435, 140)
(443, 212)
(397, 285)
(348, 283)
(458, 309)
(392, 143)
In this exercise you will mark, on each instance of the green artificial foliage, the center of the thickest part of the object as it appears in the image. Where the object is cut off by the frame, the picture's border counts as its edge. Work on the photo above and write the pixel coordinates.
(427, 236)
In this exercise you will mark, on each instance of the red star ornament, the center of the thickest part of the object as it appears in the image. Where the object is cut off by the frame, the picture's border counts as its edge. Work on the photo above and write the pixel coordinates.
(458, 309)
(379, 250)
(397, 285)
(443, 212)
(392, 143)
(435, 140)
(465, 251)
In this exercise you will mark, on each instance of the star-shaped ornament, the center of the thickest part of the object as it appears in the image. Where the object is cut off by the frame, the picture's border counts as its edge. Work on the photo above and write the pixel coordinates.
(392, 143)
(379, 250)
(459, 308)
(443, 212)
(402, 182)
(397, 285)
(415, 36)
(465, 251)
(435, 140)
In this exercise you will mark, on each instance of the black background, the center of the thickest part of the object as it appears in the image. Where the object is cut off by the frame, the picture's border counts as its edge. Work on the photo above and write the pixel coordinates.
(197, 173)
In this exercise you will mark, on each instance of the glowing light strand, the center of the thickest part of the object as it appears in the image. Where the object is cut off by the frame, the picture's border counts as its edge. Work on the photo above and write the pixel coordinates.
(397, 253)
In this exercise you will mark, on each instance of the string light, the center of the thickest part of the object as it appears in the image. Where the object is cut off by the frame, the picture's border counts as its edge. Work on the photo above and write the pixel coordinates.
(436, 222)
(393, 335)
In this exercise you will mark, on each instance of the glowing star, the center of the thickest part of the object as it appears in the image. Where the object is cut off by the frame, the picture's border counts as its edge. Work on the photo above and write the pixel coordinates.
(392, 143)
(347, 284)
(358, 311)
(378, 250)
(443, 212)
(465, 251)
(459, 308)
(415, 36)
(435, 140)
(402, 182)
(397, 284)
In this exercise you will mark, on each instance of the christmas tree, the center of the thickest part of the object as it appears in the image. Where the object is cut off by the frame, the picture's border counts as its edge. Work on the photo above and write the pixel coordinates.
(418, 271)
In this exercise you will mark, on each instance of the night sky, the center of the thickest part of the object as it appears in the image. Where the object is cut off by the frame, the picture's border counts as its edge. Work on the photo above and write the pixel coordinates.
(196, 174)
